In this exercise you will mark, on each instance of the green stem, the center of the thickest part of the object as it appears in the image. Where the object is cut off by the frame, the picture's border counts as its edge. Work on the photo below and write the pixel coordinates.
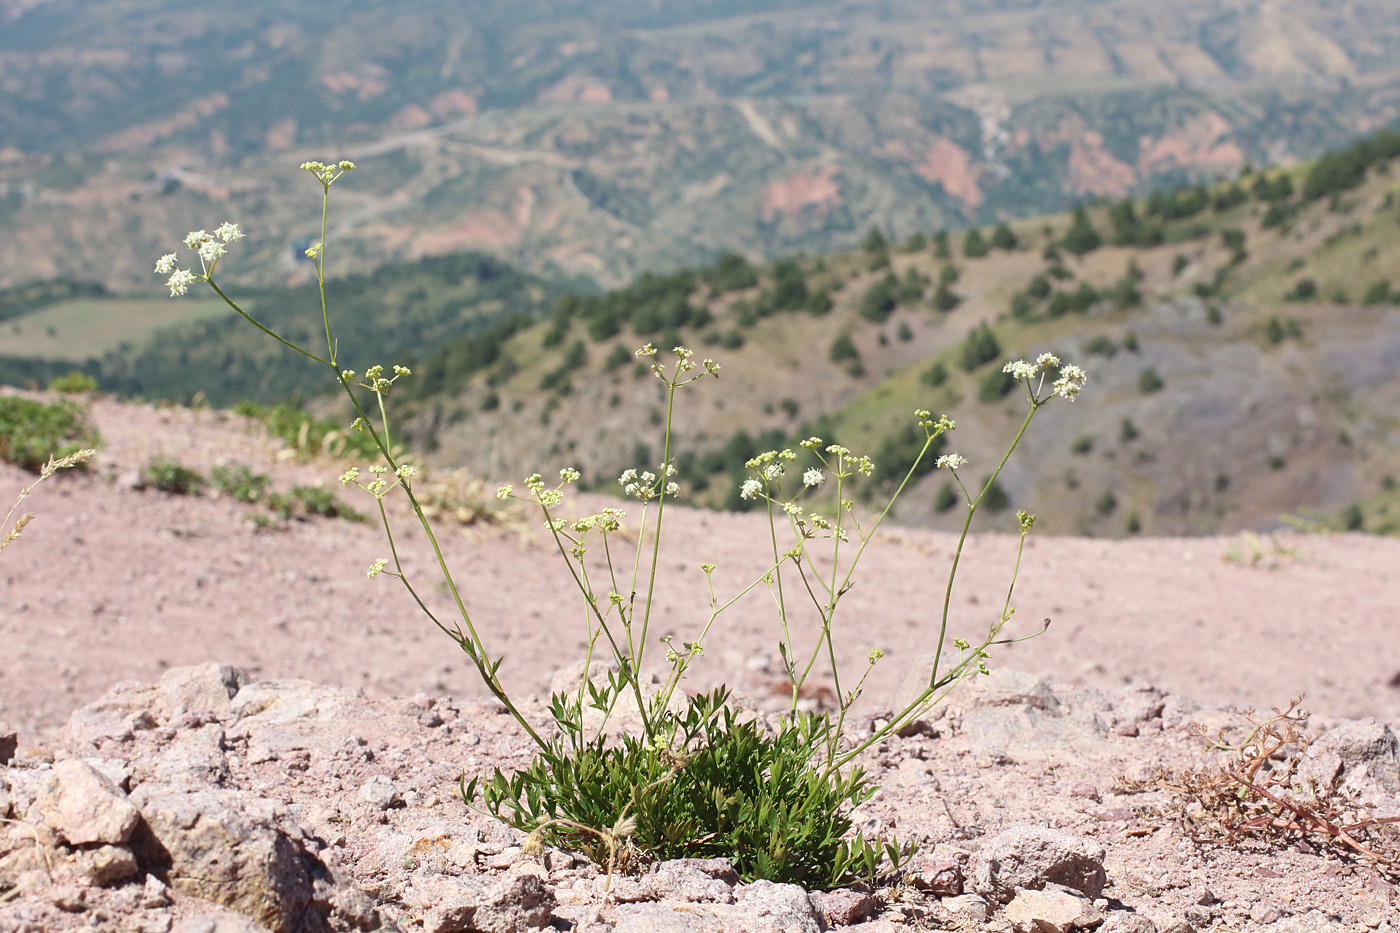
(962, 538)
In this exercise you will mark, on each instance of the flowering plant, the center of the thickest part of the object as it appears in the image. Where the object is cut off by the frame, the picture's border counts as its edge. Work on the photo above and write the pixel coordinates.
(776, 802)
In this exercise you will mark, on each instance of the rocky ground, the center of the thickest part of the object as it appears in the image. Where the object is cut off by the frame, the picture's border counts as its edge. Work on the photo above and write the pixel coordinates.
(301, 774)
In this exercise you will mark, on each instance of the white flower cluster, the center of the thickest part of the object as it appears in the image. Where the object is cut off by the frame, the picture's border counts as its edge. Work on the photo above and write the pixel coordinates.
(1071, 378)
(951, 461)
(644, 486)
(209, 247)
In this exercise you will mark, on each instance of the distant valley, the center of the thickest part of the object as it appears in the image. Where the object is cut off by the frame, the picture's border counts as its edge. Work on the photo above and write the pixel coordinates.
(604, 139)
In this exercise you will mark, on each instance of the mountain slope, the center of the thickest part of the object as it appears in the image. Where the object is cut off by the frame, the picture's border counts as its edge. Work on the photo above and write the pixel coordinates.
(609, 138)
(1241, 344)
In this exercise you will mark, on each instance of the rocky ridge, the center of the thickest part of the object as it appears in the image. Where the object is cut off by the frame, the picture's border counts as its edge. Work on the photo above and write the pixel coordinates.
(209, 803)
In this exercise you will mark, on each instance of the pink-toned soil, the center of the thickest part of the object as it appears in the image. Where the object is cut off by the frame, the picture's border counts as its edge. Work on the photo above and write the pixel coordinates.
(111, 583)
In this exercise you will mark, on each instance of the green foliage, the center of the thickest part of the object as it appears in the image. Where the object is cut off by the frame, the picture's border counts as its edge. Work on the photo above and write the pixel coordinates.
(1038, 287)
(1149, 381)
(974, 246)
(1279, 214)
(945, 299)
(1303, 290)
(1128, 432)
(1129, 229)
(980, 347)
(994, 497)
(1081, 237)
(448, 368)
(880, 299)
(1178, 204)
(732, 272)
(73, 382)
(243, 485)
(1124, 294)
(170, 476)
(306, 434)
(1276, 188)
(874, 241)
(1378, 292)
(1076, 302)
(995, 386)
(940, 245)
(1336, 172)
(618, 357)
(1352, 518)
(946, 497)
(1082, 445)
(843, 349)
(935, 375)
(898, 453)
(818, 302)
(1106, 503)
(24, 299)
(1100, 345)
(911, 287)
(789, 286)
(727, 789)
(1004, 238)
(1228, 198)
(240, 483)
(1277, 330)
(302, 501)
(31, 431)
(433, 310)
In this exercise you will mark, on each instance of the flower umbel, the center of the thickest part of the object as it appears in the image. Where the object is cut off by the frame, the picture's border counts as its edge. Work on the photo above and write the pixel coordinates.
(210, 247)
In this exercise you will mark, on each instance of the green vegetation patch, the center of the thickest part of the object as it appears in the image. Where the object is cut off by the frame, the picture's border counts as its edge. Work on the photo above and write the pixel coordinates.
(83, 328)
(31, 432)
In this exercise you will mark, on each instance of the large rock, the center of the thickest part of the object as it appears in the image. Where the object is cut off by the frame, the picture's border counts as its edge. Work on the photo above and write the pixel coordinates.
(515, 904)
(760, 907)
(1361, 757)
(194, 757)
(229, 847)
(83, 806)
(1051, 912)
(111, 721)
(1032, 857)
(9, 743)
(220, 921)
(210, 687)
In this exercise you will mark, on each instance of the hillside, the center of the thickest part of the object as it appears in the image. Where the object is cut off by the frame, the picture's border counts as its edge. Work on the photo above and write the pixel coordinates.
(1240, 341)
(159, 348)
(609, 138)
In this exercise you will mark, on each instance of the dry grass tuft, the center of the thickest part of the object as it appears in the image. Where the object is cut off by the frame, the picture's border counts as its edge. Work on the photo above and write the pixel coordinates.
(1259, 795)
(52, 466)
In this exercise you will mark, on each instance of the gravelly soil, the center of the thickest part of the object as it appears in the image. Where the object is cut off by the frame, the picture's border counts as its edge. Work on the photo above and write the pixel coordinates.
(113, 583)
